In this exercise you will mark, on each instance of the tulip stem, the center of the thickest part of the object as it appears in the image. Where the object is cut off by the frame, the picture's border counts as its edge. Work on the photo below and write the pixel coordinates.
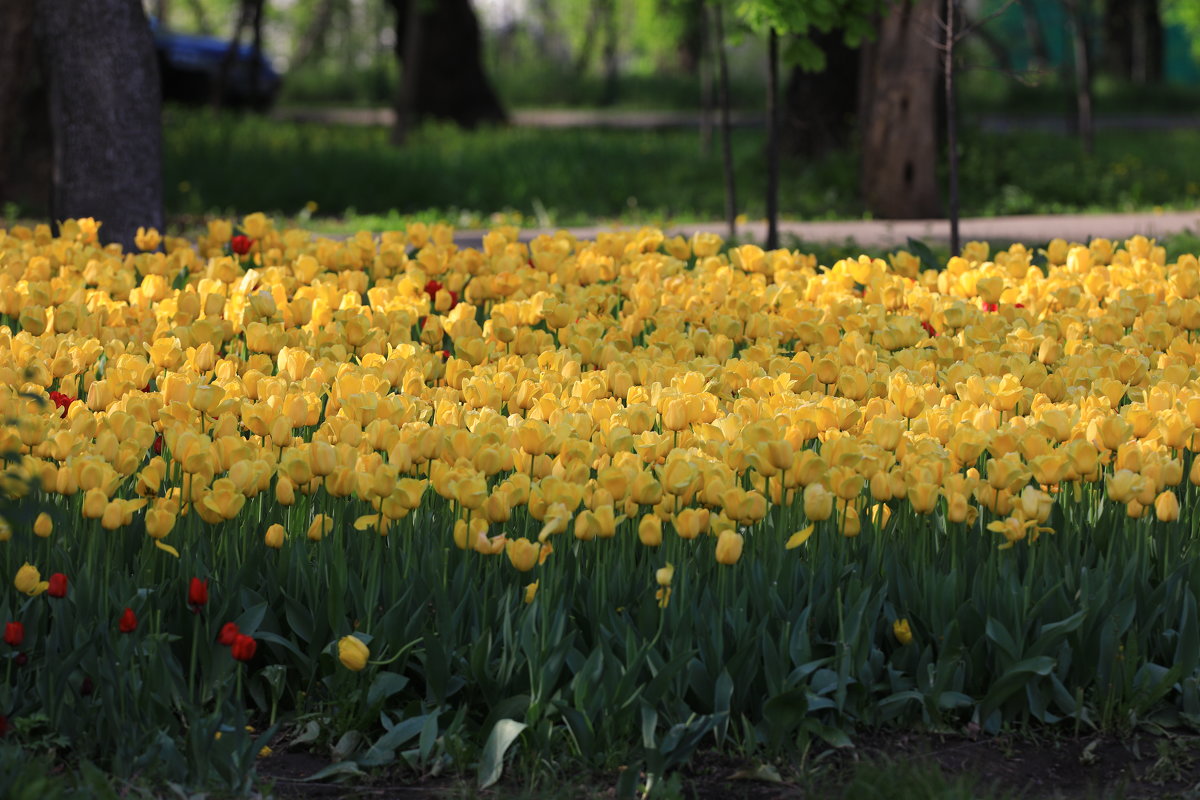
(192, 666)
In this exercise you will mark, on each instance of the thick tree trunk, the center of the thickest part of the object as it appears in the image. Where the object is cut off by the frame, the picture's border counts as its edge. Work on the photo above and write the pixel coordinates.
(1133, 40)
(899, 162)
(726, 125)
(948, 76)
(105, 112)
(819, 107)
(312, 42)
(451, 82)
(24, 120)
(1084, 126)
(772, 140)
(1035, 34)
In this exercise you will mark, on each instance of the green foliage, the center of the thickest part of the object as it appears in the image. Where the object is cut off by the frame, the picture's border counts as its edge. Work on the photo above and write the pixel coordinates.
(1186, 14)
(235, 165)
(854, 18)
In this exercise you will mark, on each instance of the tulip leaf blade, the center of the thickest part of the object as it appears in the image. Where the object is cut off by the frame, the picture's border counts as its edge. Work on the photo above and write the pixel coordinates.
(491, 763)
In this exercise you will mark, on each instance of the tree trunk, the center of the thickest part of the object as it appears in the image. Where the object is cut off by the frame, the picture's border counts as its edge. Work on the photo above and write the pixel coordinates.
(819, 107)
(312, 43)
(899, 161)
(106, 114)
(1077, 12)
(24, 118)
(948, 65)
(608, 95)
(406, 98)
(1133, 40)
(1035, 34)
(726, 125)
(772, 140)
(219, 87)
(451, 82)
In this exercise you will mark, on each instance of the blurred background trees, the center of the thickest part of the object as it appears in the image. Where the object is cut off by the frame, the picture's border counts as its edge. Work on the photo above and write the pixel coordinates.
(856, 125)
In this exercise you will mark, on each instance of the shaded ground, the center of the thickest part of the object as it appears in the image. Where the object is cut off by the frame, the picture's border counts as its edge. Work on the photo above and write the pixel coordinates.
(903, 765)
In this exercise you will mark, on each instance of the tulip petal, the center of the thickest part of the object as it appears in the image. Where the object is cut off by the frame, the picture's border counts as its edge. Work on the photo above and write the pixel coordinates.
(799, 538)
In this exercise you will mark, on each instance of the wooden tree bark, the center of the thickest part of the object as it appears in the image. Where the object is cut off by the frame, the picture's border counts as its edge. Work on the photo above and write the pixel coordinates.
(451, 82)
(1133, 40)
(24, 122)
(105, 105)
(772, 139)
(899, 113)
(1081, 46)
(819, 107)
(723, 101)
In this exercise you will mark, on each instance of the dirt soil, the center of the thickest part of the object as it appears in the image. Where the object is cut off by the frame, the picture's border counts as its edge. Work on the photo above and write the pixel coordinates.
(1052, 767)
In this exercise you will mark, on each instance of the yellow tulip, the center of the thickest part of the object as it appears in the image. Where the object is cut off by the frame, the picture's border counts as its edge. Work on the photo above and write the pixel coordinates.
(531, 592)
(902, 631)
(522, 553)
(94, 503)
(729, 547)
(353, 653)
(1166, 507)
(691, 522)
(275, 536)
(818, 502)
(43, 526)
(29, 580)
(321, 526)
(664, 575)
(650, 530)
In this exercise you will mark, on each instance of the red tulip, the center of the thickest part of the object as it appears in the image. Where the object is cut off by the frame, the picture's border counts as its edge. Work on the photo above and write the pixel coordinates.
(991, 306)
(241, 244)
(14, 634)
(243, 647)
(62, 401)
(3, 726)
(128, 621)
(57, 585)
(229, 633)
(197, 593)
(432, 288)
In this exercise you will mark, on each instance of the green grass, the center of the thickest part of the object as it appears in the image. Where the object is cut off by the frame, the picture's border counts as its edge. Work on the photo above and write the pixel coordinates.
(229, 164)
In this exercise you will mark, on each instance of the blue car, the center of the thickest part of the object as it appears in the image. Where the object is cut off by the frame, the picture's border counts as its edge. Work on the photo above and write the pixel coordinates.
(190, 67)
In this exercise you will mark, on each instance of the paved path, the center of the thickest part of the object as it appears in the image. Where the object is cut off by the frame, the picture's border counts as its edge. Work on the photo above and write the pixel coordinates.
(893, 233)
(658, 120)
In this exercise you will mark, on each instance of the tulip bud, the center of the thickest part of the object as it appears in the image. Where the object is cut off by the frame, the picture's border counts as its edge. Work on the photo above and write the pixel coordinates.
(275, 536)
(650, 531)
(729, 547)
(353, 653)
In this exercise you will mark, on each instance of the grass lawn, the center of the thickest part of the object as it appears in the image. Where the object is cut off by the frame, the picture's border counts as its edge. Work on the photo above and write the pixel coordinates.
(234, 165)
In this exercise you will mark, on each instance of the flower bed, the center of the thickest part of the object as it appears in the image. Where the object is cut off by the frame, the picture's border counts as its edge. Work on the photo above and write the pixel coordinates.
(605, 500)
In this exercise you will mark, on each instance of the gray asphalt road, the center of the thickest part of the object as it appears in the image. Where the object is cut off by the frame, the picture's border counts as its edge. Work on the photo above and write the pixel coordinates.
(893, 233)
(652, 120)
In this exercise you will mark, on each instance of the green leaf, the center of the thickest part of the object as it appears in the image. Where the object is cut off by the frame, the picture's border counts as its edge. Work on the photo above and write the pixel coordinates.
(491, 763)
(1015, 679)
(341, 769)
(384, 686)
(1002, 638)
